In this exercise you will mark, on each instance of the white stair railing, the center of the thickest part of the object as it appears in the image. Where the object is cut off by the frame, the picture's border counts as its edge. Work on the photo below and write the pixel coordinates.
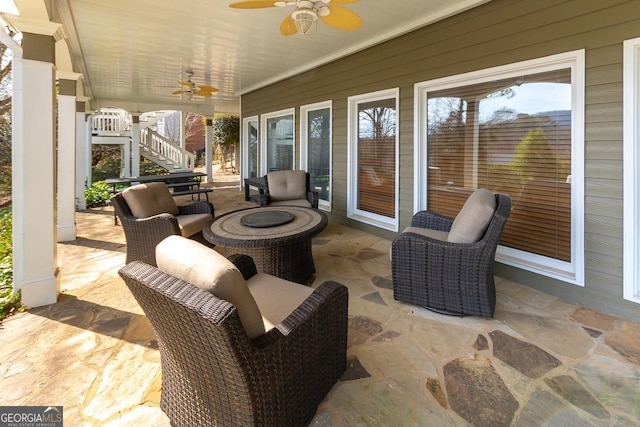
(110, 122)
(166, 150)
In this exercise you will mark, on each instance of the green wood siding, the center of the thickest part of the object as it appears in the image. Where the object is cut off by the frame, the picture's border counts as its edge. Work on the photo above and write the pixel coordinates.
(499, 32)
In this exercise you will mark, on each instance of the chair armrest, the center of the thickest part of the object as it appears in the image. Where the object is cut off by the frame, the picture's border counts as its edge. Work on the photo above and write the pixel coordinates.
(324, 311)
(264, 199)
(163, 223)
(199, 207)
(416, 252)
(431, 220)
(302, 358)
(245, 264)
(313, 197)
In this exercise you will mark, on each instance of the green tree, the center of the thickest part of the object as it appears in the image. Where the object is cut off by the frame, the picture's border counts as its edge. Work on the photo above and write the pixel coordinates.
(535, 159)
(226, 135)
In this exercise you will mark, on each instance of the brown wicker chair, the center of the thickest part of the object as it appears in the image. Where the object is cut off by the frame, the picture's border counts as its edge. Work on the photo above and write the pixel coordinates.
(144, 233)
(447, 277)
(289, 187)
(213, 374)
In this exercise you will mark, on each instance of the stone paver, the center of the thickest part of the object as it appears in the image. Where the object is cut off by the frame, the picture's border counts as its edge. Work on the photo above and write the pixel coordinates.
(541, 360)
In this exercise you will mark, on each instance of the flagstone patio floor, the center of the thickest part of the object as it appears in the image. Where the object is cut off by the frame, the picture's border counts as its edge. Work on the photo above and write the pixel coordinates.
(541, 361)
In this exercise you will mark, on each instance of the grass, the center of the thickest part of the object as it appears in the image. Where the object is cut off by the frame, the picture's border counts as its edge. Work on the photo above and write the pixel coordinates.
(9, 302)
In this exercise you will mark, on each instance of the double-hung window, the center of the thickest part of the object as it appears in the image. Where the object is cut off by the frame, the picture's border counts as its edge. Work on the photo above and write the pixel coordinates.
(277, 134)
(631, 242)
(315, 149)
(250, 147)
(517, 130)
(372, 184)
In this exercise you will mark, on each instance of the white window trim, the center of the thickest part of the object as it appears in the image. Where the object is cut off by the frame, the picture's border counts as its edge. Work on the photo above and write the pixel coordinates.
(631, 168)
(245, 144)
(323, 204)
(571, 272)
(263, 136)
(353, 212)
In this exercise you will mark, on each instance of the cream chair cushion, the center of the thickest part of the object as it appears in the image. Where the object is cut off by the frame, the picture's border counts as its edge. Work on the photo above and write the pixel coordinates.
(150, 199)
(297, 202)
(205, 268)
(192, 223)
(473, 219)
(276, 297)
(287, 185)
(427, 232)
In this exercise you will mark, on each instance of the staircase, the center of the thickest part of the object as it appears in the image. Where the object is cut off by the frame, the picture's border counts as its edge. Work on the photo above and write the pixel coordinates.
(113, 126)
(164, 152)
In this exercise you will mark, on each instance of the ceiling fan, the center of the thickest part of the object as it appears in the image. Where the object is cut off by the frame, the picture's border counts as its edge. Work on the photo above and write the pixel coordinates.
(307, 13)
(190, 89)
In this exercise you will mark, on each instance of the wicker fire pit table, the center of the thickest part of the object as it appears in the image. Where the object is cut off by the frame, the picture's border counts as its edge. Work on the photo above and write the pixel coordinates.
(277, 238)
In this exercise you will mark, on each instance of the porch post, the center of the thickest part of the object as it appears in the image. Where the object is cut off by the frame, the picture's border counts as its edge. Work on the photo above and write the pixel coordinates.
(208, 149)
(135, 145)
(66, 157)
(88, 131)
(35, 258)
(81, 155)
(183, 140)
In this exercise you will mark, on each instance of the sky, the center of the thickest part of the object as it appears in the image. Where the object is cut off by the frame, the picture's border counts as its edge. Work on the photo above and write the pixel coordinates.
(530, 98)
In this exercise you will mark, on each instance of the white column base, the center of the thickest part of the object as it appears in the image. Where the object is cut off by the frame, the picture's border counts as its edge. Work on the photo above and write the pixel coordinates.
(39, 292)
(66, 233)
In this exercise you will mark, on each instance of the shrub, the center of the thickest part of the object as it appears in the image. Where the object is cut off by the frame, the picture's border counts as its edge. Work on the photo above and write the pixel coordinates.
(8, 300)
(97, 194)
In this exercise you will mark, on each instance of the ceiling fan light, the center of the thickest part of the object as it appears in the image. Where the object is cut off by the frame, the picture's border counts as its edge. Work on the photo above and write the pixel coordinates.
(304, 19)
(324, 11)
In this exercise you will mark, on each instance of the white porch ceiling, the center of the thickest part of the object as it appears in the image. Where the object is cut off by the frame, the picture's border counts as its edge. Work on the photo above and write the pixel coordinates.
(134, 52)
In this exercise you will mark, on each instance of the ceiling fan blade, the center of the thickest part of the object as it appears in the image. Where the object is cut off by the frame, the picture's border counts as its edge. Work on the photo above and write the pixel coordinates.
(179, 91)
(287, 26)
(207, 88)
(183, 83)
(342, 18)
(253, 4)
(203, 93)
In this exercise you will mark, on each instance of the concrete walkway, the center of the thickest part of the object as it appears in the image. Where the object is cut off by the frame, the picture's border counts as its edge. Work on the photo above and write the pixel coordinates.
(541, 360)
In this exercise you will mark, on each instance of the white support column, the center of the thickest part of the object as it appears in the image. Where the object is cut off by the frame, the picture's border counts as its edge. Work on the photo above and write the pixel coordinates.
(208, 149)
(88, 130)
(66, 157)
(81, 155)
(34, 176)
(126, 158)
(183, 139)
(135, 145)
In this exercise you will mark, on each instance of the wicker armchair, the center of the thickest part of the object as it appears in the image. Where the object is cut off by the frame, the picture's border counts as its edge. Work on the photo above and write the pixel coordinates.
(144, 230)
(454, 278)
(213, 374)
(289, 187)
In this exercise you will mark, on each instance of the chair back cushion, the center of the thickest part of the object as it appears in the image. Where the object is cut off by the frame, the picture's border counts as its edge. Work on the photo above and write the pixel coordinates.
(287, 185)
(150, 199)
(473, 219)
(304, 203)
(205, 268)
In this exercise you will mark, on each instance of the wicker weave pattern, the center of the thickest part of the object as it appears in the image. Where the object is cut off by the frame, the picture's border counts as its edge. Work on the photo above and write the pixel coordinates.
(456, 278)
(213, 375)
(284, 251)
(144, 234)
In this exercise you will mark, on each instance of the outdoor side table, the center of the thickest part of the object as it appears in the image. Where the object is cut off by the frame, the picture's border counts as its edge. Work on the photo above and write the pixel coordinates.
(282, 250)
